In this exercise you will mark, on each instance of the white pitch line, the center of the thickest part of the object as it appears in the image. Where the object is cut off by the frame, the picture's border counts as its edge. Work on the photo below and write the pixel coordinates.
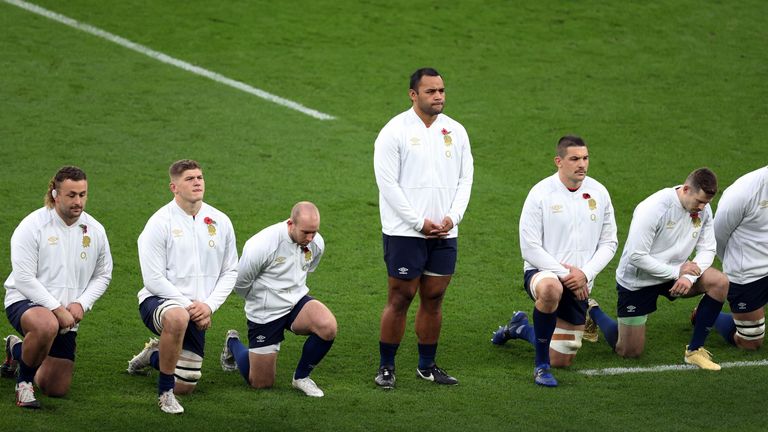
(664, 368)
(170, 60)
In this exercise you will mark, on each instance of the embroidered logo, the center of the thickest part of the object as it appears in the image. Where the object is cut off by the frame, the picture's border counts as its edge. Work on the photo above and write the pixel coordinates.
(415, 141)
(53, 240)
(557, 208)
(670, 224)
(447, 136)
(631, 308)
(280, 260)
(86, 238)
(742, 305)
(695, 219)
(177, 232)
(211, 226)
(403, 270)
(764, 204)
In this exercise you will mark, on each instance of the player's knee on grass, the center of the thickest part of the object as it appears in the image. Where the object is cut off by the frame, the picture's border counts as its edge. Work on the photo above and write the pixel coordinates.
(55, 376)
(565, 344)
(749, 333)
(631, 341)
(54, 387)
(188, 372)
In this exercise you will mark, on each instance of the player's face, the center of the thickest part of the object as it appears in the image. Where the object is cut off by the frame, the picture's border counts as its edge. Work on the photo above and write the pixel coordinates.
(70, 199)
(430, 98)
(573, 167)
(695, 201)
(189, 187)
(303, 231)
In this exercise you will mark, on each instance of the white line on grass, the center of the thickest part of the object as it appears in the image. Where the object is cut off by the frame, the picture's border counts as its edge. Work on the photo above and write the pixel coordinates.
(664, 368)
(170, 60)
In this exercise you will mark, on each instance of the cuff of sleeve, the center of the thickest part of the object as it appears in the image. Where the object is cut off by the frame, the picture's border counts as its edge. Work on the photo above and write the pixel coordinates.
(212, 307)
(52, 305)
(86, 307)
(419, 225)
(590, 275)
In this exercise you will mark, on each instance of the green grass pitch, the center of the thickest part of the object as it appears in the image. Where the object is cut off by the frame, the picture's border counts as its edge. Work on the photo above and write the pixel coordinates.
(656, 89)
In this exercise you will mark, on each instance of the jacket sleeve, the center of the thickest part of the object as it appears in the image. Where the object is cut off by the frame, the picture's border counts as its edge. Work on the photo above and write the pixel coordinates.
(642, 232)
(531, 238)
(386, 167)
(24, 261)
(607, 245)
(153, 259)
(253, 260)
(461, 200)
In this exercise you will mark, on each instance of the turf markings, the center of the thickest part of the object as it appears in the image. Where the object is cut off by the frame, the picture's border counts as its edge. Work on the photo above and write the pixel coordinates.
(664, 368)
(170, 60)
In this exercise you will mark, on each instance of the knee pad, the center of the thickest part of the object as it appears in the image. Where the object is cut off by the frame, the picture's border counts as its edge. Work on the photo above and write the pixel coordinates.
(157, 316)
(566, 341)
(750, 330)
(188, 368)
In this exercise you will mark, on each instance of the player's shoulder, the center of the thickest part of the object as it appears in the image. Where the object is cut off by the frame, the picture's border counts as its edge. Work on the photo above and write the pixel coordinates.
(163, 212)
(36, 220)
(546, 185)
(659, 202)
(268, 238)
(399, 121)
(749, 183)
(319, 241)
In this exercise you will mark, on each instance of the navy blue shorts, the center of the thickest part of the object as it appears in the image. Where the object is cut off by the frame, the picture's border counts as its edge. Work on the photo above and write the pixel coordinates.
(569, 309)
(273, 332)
(194, 339)
(643, 301)
(64, 345)
(408, 257)
(748, 297)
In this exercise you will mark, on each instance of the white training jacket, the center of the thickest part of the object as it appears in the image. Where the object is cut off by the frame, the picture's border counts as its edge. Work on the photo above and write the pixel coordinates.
(272, 274)
(558, 227)
(422, 173)
(187, 258)
(741, 228)
(662, 236)
(54, 264)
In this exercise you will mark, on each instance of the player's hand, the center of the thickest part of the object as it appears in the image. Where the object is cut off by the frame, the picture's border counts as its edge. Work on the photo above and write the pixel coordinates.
(447, 226)
(76, 309)
(689, 268)
(432, 230)
(65, 319)
(576, 281)
(203, 324)
(198, 311)
(681, 288)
